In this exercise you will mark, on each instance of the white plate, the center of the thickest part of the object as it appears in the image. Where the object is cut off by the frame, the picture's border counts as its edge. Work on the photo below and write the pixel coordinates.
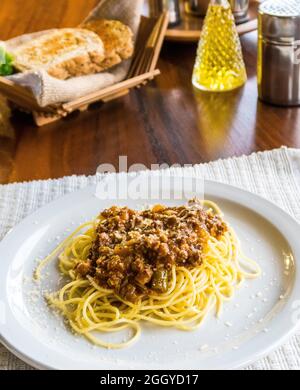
(260, 317)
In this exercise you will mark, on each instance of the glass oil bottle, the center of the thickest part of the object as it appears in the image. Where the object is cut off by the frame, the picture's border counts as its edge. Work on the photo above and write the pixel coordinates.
(219, 65)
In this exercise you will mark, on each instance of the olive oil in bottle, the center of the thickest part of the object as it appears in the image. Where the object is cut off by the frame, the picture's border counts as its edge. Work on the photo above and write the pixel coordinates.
(219, 65)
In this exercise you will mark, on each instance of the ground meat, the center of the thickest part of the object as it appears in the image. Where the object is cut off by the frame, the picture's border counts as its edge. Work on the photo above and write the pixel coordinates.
(144, 276)
(134, 252)
(84, 268)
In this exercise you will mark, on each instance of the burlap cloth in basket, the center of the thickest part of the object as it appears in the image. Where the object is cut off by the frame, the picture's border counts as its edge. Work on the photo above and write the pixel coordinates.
(49, 90)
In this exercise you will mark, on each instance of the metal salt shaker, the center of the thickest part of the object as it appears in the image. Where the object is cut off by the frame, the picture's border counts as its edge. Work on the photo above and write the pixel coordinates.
(172, 6)
(279, 52)
(240, 10)
(197, 7)
(239, 7)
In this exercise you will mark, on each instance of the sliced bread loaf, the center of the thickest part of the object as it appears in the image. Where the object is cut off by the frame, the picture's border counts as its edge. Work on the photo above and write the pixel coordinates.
(116, 37)
(63, 53)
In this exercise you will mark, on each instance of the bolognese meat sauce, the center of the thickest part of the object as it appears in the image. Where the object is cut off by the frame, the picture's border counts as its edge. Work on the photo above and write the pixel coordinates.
(134, 251)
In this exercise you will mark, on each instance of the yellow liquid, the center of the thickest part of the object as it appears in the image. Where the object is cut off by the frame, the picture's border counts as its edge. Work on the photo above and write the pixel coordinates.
(219, 65)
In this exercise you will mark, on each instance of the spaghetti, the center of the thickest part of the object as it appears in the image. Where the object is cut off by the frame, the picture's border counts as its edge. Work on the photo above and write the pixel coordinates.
(191, 293)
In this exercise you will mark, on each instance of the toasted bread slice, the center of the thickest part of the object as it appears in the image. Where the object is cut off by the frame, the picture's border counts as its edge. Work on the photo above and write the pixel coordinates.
(63, 53)
(116, 37)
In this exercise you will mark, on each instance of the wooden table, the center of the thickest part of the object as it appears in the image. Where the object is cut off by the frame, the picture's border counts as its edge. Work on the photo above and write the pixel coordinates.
(165, 122)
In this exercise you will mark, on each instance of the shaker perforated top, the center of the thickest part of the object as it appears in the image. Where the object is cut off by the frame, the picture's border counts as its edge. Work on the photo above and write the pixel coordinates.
(279, 20)
(281, 8)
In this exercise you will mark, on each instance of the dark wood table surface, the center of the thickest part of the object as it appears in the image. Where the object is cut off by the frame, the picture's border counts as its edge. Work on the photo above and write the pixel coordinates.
(164, 122)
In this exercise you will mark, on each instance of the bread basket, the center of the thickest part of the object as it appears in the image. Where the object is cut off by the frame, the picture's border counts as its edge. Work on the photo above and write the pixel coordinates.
(143, 69)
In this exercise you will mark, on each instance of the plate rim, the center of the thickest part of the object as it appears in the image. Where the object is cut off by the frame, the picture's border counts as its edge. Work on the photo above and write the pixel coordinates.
(210, 187)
